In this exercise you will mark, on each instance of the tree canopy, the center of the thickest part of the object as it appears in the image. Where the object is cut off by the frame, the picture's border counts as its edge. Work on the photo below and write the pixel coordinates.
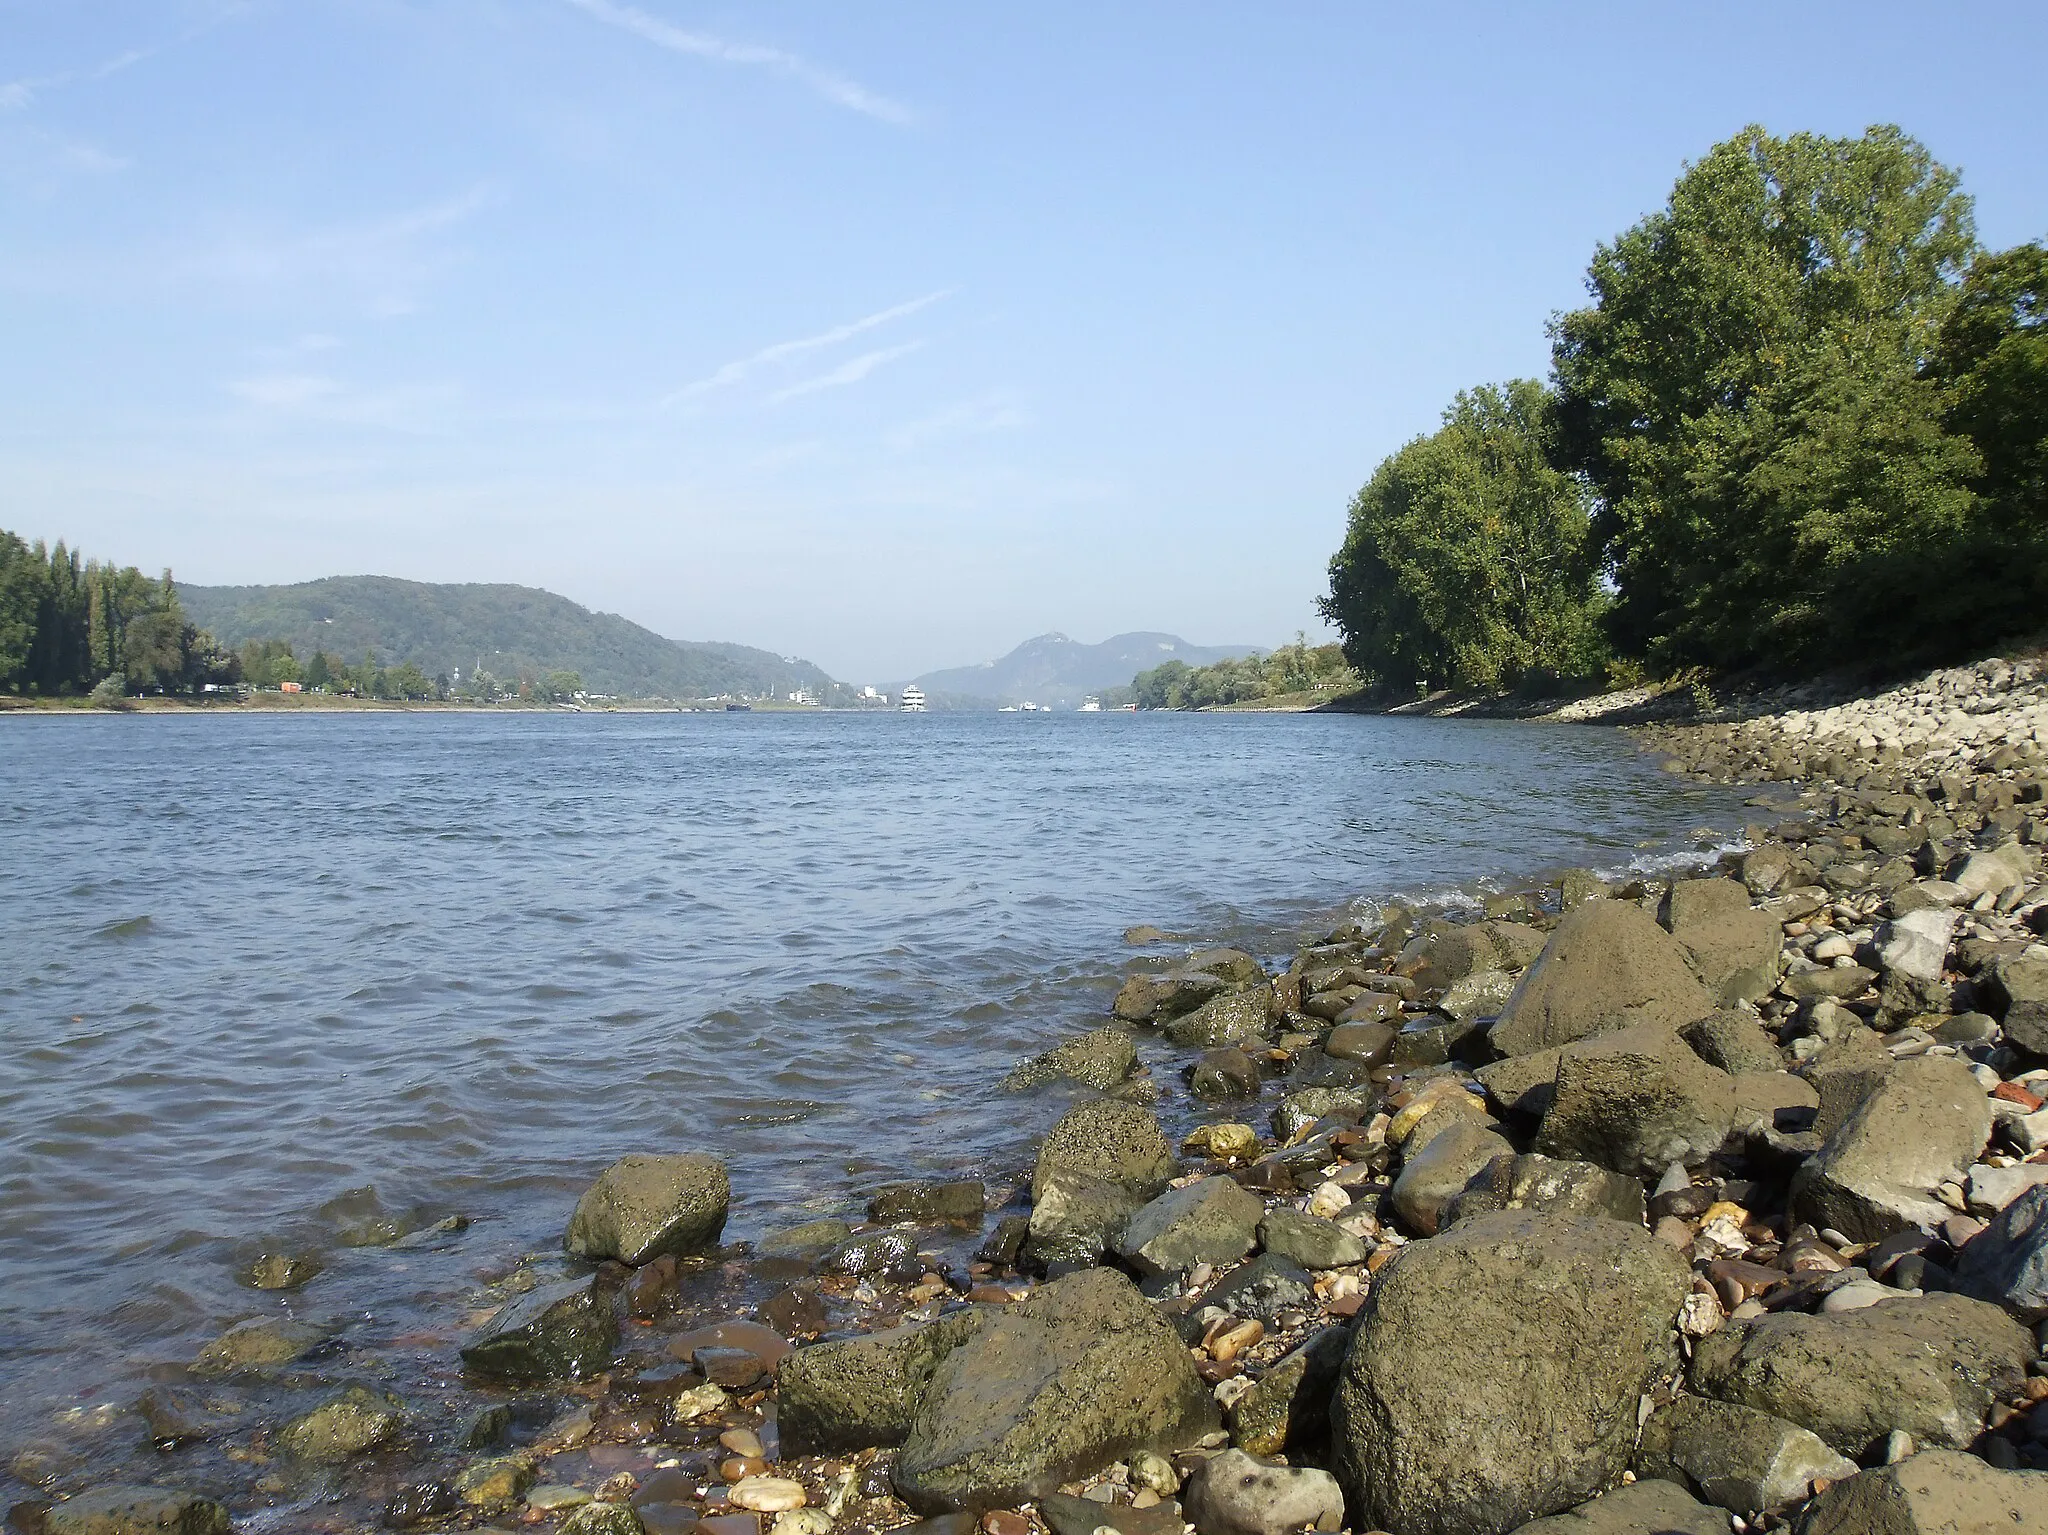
(1755, 395)
(1467, 560)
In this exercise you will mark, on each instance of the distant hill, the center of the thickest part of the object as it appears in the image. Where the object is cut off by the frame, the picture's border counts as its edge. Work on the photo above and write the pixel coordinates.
(1053, 669)
(514, 629)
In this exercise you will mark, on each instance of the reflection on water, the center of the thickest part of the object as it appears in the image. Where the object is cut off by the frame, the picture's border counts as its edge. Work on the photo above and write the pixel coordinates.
(290, 977)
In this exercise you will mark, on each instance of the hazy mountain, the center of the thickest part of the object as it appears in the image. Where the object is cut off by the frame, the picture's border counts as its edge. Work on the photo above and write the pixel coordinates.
(514, 629)
(1053, 669)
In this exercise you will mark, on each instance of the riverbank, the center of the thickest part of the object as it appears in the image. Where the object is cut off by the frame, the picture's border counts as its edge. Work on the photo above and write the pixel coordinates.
(1431, 1235)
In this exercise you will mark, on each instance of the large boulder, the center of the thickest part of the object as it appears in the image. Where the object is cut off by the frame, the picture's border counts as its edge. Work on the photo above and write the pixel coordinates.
(1735, 1457)
(1920, 1127)
(1992, 871)
(1937, 1492)
(1047, 1391)
(1931, 1365)
(1233, 1494)
(1098, 1167)
(2007, 1262)
(1100, 1059)
(1309, 1240)
(859, 1392)
(1607, 966)
(2014, 989)
(1644, 1508)
(1735, 1040)
(643, 1206)
(1733, 947)
(1496, 1371)
(136, 1511)
(556, 1332)
(1235, 1018)
(1437, 1174)
(1638, 1099)
(1158, 998)
(1212, 1220)
(357, 1420)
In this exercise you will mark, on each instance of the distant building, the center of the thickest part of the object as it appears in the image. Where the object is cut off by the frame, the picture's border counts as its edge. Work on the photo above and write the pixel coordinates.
(290, 687)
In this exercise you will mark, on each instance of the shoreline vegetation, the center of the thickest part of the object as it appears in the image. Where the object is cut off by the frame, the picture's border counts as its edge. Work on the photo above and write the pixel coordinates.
(1638, 1167)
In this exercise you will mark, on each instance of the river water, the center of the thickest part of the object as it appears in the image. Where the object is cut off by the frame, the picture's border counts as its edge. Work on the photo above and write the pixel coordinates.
(274, 979)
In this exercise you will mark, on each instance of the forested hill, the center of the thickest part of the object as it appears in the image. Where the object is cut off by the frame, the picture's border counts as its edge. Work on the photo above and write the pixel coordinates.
(513, 629)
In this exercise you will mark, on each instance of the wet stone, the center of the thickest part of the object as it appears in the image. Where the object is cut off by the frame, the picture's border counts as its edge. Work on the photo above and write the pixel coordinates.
(556, 1332)
(259, 1345)
(962, 1201)
(136, 1511)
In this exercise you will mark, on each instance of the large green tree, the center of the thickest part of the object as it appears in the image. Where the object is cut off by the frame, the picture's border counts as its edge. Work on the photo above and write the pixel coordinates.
(1466, 561)
(1752, 394)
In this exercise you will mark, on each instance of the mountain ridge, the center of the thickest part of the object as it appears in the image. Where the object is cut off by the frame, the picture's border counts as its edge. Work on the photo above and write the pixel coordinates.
(443, 626)
(1052, 669)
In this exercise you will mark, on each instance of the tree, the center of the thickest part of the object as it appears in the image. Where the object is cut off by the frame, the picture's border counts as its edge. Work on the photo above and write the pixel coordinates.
(22, 575)
(1993, 353)
(559, 686)
(1750, 396)
(319, 670)
(1467, 560)
(407, 681)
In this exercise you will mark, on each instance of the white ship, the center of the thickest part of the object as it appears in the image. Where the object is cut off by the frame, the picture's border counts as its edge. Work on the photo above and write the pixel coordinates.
(1091, 705)
(913, 699)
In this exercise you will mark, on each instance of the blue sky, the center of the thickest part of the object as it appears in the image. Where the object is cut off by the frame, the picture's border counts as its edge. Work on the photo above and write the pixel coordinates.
(885, 334)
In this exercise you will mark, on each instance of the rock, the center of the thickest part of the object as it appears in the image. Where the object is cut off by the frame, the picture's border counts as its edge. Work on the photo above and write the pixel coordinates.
(1917, 943)
(1232, 965)
(1100, 1059)
(1235, 1018)
(1515, 943)
(1735, 1040)
(175, 1417)
(1224, 1073)
(1290, 1403)
(1098, 1166)
(1233, 1494)
(281, 1271)
(2015, 992)
(860, 1392)
(1937, 1492)
(556, 1332)
(357, 1420)
(1991, 1189)
(1047, 1391)
(1638, 1099)
(1298, 1110)
(962, 1201)
(1607, 966)
(1735, 1457)
(1521, 1085)
(1496, 1370)
(1080, 1516)
(1930, 1366)
(1991, 872)
(1160, 998)
(2007, 1262)
(1765, 869)
(1265, 1287)
(601, 1519)
(767, 1494)
(1309, 1240)
(258, 1345)
(1212, 1220)
(872, 1252)
(1556, 1187)
(1733, 949)
(1431, 1039)
(1369, 1043)
(1922, 1126)
(1828, 981)
(1431, 1178)
(496, 1483)
(1480, 994)
(804, 1244)
(136, 1511)
(1645, 1508)
(643, 1206)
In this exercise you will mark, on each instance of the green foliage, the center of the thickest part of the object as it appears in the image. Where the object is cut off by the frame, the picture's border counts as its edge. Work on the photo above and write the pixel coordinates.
(266, 663)
(69, 625)
(512, 631)
(559, 687)
(1993, 354)
(1290, 670)
(1467, 560)
(1752, 395)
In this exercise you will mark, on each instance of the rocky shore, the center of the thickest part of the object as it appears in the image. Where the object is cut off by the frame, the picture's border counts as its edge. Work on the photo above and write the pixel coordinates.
(1716, 1203)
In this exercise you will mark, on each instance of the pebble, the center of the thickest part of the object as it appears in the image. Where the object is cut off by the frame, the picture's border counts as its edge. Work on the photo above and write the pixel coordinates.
(556, 1495)
(1002, 1521)
(1232, 1341)
(1857, 1294)
(1329, 1201)
(740, 1467)
(801, 1521)
(743, 1442)
(767, 1494)
(694, 1404)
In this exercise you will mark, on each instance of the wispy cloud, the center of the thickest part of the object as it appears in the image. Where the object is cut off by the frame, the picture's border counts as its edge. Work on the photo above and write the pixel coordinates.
(847, 372)
(970, 418)
(835, 88)
(20, 95)
(783, 351)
